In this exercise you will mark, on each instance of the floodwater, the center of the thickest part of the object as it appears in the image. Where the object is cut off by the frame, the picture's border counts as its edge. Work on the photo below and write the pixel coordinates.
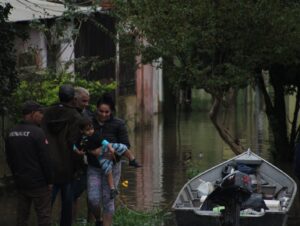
(168, 147)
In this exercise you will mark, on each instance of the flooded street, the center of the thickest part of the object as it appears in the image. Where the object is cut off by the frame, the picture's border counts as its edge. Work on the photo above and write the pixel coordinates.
(166, 149)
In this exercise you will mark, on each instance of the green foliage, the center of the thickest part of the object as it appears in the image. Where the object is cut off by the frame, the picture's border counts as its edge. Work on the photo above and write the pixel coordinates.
(8, 75)
(193, 169)
(191, 36)
(128, 217)
(43, 87)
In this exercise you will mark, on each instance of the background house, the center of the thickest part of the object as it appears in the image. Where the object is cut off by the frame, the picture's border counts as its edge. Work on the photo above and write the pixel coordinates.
(140, 88)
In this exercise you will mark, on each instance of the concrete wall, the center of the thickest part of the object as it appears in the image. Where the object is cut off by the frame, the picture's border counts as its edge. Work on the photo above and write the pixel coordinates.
(149, 92)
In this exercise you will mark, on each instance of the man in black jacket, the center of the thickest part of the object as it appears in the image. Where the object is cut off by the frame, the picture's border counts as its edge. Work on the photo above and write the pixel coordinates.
(61, 127)
(82, 99)
(28, 158)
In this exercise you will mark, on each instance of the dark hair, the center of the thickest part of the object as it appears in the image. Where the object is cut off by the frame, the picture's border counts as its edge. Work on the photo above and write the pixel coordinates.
(108, 100)
(30, 106)
(66, 93)
(84, 123)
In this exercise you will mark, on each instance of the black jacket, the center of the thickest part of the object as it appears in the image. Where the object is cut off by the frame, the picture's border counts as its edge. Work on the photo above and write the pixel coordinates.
(60, 124)
(114, 131)
(27, 153)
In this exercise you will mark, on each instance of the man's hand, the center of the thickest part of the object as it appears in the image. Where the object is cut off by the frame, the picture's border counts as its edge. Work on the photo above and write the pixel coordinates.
(96, 152)
(111, 149)
(79, 152)
(109, 155)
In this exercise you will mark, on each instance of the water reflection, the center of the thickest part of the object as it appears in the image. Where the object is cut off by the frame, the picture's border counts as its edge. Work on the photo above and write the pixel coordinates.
(166, 149)
(145, 184)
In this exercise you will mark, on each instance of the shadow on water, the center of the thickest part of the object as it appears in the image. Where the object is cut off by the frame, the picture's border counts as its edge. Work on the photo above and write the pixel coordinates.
(165, 149)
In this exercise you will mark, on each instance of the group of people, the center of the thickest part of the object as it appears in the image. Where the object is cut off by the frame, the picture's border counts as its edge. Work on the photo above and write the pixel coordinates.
(68, 149)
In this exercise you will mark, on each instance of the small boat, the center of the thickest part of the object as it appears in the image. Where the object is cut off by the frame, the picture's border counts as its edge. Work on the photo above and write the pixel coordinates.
(253, 191)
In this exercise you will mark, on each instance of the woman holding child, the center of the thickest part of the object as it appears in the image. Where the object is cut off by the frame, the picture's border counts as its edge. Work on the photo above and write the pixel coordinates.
(114, 131)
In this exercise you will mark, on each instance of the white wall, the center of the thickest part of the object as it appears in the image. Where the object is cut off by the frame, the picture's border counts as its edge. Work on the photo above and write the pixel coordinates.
(36, 42)
(66, 56)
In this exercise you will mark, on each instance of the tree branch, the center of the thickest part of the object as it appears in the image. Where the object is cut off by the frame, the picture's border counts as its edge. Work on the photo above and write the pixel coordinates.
(262, 86)
(224, 133)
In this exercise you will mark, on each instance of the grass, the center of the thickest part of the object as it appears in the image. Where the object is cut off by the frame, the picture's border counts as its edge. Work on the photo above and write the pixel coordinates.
(127, 217)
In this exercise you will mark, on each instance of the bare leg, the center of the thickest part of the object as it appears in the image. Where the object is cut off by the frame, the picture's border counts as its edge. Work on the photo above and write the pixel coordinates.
(128, 155)
(110, 180)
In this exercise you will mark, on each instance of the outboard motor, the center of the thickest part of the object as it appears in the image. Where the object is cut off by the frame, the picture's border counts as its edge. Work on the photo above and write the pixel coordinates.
(234, 189)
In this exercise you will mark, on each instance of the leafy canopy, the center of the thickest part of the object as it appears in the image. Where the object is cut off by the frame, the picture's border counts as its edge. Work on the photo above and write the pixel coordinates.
(213, 44)
(8, 75)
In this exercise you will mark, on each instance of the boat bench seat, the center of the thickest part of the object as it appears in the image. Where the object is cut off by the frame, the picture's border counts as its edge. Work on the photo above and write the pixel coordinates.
(189, 198)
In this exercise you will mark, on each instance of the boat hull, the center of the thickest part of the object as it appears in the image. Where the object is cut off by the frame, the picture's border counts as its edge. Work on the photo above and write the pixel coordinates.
(189, 218)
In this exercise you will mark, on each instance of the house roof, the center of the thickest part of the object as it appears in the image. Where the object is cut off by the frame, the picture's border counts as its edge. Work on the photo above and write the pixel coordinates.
(25, 10)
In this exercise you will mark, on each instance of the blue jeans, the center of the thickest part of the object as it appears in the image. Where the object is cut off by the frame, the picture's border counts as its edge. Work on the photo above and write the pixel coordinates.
(66, 202)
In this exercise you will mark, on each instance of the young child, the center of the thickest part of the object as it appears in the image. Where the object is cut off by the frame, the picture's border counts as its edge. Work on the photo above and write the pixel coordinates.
(92, 143)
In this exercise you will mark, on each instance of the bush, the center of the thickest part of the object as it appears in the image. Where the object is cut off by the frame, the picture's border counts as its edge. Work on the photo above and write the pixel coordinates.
(42, 86)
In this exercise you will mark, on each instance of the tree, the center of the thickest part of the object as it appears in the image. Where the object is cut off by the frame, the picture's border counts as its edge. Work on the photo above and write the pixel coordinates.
(222, 46)
(278, 52)
(8, 75)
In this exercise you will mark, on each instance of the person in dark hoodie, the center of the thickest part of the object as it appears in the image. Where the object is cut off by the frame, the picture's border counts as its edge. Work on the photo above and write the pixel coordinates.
(82, 99)
(28, 158)
(61, 127)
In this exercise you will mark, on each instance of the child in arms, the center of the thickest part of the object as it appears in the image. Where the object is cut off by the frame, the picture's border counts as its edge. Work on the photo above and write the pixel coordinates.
(104, 151)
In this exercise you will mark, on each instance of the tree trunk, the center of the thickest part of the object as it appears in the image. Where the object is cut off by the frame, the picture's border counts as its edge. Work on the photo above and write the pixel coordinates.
(214, 115)
(276, 114)
(295, 129)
